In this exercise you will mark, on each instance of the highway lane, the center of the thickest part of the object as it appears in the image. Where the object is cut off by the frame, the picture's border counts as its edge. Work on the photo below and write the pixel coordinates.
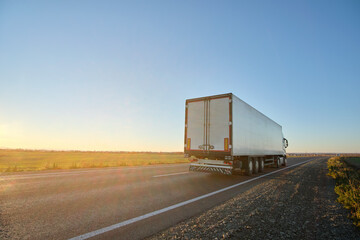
(66, 204)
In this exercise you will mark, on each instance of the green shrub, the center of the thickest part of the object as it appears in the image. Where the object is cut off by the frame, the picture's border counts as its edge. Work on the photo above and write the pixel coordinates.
(347, 186)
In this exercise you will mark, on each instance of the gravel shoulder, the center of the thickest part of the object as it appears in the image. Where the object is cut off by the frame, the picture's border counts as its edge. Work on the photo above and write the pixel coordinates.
(299, 203)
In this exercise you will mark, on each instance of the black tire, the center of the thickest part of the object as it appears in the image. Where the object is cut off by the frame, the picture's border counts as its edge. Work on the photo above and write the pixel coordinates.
(277, 163)
(249, 167)
(255, 163)
(235, 166)
(285, 162)
(261, 165)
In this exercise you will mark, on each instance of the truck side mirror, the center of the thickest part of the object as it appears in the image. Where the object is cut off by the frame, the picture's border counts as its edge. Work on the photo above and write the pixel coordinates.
(286, 143)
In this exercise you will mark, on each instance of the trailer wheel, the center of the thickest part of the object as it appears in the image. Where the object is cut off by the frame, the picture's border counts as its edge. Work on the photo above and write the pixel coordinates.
(236, 167)
(249, 167)
(284, 161)
(277, 164)
(255, 166)
(261, 165)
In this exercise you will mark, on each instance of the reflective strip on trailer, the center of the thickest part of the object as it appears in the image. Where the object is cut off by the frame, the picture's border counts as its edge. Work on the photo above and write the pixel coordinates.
(226, 144)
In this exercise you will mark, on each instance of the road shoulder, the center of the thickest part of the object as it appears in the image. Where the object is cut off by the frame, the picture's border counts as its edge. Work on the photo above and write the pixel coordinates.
(299, 203)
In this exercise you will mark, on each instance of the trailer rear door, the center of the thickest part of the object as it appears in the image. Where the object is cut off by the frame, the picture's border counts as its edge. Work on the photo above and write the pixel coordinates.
(195, 128)
(208, 126)
(218, 122)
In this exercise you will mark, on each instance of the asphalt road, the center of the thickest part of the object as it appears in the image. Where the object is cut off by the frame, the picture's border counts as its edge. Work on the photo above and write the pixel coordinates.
(121, 203)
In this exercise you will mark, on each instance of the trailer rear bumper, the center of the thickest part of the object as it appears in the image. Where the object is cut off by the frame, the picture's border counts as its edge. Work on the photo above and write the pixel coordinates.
(195, 167)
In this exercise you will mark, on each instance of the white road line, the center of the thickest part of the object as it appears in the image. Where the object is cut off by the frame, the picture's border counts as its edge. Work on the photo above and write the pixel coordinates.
(57, 174)
(136, 219)
(170, 174)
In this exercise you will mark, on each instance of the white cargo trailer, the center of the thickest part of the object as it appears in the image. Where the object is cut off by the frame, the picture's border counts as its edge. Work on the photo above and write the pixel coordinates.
(224, 134)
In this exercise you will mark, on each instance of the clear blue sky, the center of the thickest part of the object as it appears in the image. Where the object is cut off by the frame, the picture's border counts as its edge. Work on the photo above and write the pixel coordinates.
(114, 75)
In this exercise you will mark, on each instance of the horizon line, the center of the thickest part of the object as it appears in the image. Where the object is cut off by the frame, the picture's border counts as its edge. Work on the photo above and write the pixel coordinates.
(142, 151)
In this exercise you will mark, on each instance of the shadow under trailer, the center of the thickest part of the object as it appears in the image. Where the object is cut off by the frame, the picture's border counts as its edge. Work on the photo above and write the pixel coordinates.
(223, 134)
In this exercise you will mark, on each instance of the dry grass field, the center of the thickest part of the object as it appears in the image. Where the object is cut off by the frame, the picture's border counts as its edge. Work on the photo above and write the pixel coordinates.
(28, 160)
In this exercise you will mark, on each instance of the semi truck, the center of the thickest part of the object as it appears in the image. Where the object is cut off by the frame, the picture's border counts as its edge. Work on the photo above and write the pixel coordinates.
(224, 134)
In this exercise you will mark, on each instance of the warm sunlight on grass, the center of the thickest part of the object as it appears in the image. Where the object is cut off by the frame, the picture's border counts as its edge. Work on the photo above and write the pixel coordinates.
(347, 185)
(27, 160)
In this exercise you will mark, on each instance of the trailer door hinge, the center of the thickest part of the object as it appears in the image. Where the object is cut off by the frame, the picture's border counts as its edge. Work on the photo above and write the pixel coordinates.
(230, 100)
(230, 123)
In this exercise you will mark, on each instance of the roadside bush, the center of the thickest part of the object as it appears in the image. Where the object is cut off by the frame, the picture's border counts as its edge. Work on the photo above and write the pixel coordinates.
(347, 186)
(52, 166)
(74, 165)
(13, 169)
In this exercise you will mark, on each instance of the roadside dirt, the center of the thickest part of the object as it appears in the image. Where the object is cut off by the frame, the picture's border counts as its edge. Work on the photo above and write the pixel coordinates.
(297, 204)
